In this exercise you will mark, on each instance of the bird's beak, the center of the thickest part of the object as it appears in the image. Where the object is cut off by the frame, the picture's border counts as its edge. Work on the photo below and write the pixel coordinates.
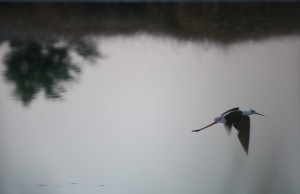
(259, 114)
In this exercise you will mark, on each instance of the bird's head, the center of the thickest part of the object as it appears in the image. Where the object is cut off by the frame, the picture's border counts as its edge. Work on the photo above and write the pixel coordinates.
(251, 112)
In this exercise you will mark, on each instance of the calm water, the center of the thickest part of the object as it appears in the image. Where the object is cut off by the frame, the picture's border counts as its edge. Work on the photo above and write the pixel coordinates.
(91, 105)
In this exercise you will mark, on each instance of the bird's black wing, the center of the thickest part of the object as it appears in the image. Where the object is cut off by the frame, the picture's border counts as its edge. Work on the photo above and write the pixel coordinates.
(234, 115)
(228, 127)
(233, 109)
(243, 127)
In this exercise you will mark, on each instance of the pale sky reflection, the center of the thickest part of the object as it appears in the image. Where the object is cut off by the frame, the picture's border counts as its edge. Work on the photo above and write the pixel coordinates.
(127, 123)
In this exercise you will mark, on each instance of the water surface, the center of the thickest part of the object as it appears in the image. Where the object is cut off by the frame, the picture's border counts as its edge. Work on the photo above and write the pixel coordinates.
(112, 111)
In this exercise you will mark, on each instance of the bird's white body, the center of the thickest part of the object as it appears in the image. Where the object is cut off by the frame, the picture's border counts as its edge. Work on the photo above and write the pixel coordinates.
(221, 119)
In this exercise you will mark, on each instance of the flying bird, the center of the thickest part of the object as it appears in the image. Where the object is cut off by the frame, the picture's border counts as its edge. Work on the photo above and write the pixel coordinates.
(240, 120)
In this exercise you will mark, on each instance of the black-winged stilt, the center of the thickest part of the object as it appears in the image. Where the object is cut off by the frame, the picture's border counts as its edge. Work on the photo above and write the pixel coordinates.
(240, 120)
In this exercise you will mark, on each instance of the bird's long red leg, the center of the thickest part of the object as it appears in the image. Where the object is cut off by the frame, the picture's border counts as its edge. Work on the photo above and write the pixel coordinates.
(197, 130)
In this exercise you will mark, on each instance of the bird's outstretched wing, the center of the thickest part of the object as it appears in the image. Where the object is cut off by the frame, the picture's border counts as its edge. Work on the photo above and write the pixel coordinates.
(231, 118)
(228, 127)
(233, 109)
(243, 127)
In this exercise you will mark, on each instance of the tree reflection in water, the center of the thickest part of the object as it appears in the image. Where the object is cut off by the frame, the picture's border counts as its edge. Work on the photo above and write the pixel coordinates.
(44, 65)
(34, 66)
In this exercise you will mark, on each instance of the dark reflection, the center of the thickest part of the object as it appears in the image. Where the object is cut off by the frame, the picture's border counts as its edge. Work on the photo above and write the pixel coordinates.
(41, 185)
(218, 22)
(36, 65)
